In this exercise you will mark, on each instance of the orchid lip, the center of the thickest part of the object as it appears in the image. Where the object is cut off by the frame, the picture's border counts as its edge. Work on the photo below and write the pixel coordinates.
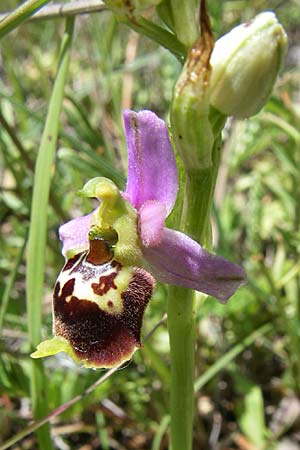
(98, 309)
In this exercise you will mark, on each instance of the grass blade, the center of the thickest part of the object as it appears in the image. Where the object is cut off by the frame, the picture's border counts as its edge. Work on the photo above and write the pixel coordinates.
(161, 430)
(10, 283)
(230, 355)
(19, 15)
(38, 230)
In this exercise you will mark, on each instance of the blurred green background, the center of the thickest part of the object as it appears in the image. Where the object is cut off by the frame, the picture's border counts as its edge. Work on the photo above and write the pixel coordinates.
(249, 384)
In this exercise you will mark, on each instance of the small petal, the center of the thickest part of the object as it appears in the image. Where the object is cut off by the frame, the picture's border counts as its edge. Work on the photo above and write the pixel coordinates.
(74, 234)
(180, 260)
(151, 222)
(152, 172)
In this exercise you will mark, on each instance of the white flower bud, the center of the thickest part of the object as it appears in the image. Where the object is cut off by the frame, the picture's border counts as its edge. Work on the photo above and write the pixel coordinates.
(245, 63)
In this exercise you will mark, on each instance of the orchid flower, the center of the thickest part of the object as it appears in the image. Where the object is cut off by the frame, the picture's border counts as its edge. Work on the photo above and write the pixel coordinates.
(113, 253)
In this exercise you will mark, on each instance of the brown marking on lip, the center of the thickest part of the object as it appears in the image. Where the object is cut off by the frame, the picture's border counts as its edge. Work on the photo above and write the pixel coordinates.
(68, 288)
(96, 336)
(72, 261)
(106, 282)
(99, 252)
(110, 304)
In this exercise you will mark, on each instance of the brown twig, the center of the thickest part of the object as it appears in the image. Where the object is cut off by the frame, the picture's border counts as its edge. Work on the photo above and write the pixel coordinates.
(66, 9)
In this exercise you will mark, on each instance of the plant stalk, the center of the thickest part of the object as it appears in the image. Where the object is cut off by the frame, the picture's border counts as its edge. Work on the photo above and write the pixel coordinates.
(181, 327)
(195, 221)
(158, 34)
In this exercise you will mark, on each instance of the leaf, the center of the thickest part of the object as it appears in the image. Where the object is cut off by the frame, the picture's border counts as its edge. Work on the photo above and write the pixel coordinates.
(51, 347)
(38, 229)
(251, 410)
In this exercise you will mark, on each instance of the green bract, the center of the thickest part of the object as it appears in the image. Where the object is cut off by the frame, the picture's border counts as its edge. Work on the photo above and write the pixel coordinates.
(191, 127)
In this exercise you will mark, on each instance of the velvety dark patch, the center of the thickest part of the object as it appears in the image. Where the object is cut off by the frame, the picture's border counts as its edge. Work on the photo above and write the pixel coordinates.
(136, 298)
(95, 335)
(71, 262)
(106, 282)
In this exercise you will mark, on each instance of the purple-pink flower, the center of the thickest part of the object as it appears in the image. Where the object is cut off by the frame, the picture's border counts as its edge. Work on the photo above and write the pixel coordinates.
(102, 292)
(152, 184)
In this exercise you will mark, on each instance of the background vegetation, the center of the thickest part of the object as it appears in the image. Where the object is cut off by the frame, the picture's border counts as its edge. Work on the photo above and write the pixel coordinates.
(248, 357)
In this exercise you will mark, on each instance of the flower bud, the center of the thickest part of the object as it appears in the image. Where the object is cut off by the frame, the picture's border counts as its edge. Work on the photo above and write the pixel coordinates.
(245, 63)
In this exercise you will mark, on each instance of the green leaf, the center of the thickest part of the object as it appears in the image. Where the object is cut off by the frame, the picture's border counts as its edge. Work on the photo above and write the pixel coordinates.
(38, 230)
(51, 347)
(161, 430)
(251, 418)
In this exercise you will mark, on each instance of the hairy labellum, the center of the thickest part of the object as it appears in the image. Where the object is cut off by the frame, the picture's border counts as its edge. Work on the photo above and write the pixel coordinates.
(99, 305)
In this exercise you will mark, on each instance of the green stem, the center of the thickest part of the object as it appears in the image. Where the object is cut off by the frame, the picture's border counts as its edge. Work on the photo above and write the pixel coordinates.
(158, 34)
(181, 327)
(195, 222)
(198, 198)
(181, 319)
(38, 234)
(199, 184)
